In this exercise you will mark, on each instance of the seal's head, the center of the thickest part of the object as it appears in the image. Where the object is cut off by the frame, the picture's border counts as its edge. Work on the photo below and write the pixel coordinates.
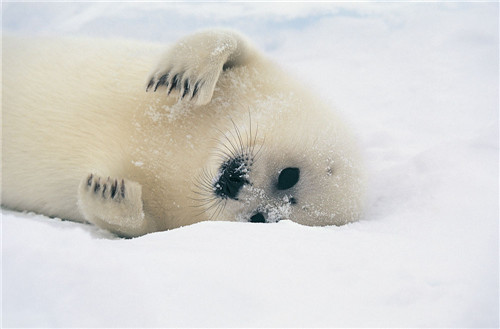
(287, 167)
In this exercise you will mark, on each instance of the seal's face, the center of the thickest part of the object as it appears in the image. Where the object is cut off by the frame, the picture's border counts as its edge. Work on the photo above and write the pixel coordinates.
(311, 181)
(266, 201)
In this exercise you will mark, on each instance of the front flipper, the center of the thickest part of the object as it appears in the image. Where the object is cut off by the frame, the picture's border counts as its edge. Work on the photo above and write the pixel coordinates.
(113, 204)
(192, 66)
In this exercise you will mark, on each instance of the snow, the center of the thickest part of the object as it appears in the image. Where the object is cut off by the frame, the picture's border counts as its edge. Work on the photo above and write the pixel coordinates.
(417, 82)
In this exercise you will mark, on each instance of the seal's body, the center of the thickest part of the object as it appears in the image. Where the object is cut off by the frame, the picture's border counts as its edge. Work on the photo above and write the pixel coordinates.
(216, 131)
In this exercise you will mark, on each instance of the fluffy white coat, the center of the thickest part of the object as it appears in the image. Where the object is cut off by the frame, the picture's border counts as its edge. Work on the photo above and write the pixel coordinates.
(83, 139)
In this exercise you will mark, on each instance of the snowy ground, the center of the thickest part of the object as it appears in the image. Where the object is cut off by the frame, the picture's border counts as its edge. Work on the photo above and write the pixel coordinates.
(418, 82)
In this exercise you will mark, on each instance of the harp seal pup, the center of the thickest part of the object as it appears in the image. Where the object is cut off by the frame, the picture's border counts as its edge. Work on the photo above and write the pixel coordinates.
(216, 131)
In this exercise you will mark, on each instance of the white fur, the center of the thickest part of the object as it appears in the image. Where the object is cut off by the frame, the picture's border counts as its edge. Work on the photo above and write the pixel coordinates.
(72, 108)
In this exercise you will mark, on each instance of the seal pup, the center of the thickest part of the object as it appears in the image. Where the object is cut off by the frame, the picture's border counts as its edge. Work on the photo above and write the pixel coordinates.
(216, 131)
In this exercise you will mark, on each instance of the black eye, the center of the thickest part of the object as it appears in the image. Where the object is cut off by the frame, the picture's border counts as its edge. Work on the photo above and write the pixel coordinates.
(232, 178)
(288, 178)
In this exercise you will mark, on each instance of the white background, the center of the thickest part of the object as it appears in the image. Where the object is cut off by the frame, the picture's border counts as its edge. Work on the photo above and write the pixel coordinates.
(417, 82)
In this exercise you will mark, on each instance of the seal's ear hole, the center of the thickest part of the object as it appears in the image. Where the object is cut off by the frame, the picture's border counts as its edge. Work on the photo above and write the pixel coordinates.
(288, 177)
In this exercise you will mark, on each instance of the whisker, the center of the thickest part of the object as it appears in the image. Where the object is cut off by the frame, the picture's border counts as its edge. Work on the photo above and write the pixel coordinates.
(255, 138)
(237, 130)
(213, 212)
(216, 210)
(220, 209)
(257, 154)
(234, 151)
(249, 135)
(203, 199)
(228, 155)
(237, 143)
(199, 206)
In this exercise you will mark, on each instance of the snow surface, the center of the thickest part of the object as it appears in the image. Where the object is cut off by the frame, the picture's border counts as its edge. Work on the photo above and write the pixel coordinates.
(418, 82)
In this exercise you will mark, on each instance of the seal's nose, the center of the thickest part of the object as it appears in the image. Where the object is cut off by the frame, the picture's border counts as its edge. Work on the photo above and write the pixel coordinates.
(257, 218)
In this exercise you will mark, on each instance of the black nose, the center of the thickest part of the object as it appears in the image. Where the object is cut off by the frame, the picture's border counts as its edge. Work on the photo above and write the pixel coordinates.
(257, 218)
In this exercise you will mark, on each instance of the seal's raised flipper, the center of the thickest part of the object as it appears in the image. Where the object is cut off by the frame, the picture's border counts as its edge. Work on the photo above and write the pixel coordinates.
(113, 204)
(191, 67)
